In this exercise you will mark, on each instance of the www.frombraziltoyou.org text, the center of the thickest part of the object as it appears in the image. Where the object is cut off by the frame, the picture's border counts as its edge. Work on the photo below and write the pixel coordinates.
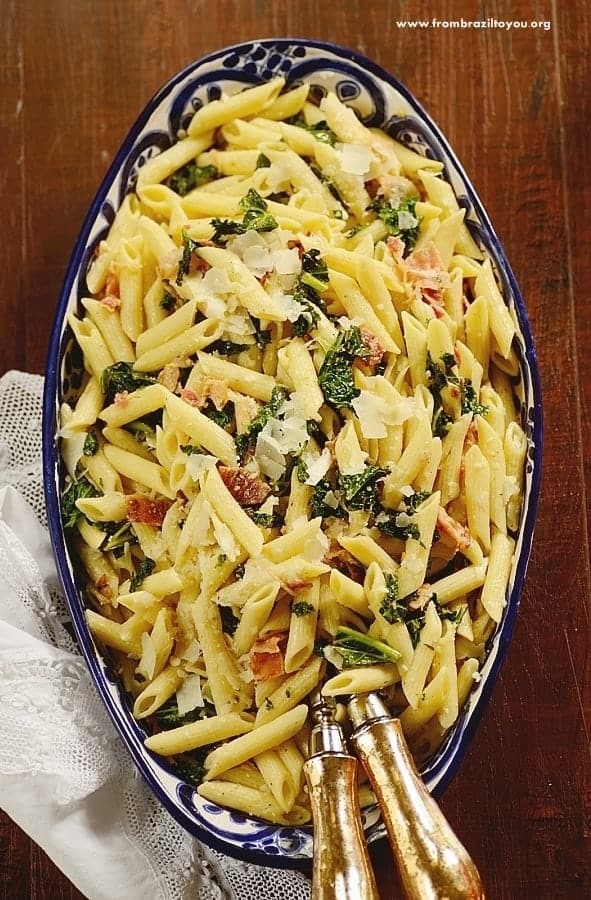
(474, 24)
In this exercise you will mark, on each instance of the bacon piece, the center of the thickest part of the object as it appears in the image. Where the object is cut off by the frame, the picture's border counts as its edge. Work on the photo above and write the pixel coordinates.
(248, 489)
(266, 657)
(371, 343)
(198, 264)
(372, 187)
(121, 399)
(213, 389)
(453, 533)
(424, 268)
(189, 397)
(169, 376)
(111, 302)
(345, 562)
(294, 244)
(434, 298)
(297, 584)
(112, 285)
(422, 597)
(396, 247)
(145, 510)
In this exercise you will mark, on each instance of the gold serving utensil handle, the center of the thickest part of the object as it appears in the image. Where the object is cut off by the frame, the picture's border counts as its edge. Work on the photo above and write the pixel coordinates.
(341, 867)
(432, 863)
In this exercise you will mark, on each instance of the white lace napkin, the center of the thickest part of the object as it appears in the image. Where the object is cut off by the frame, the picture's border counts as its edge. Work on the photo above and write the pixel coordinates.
(65, 777)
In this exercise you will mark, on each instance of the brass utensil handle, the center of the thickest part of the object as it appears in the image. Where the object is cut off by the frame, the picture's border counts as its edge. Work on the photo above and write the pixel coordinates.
(341, 869)
(432, 862)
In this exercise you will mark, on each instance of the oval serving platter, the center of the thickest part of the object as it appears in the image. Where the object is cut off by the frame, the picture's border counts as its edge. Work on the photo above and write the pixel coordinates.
(381, 102)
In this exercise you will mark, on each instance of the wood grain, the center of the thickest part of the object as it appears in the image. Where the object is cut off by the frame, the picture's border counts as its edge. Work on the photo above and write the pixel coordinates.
(516, 107)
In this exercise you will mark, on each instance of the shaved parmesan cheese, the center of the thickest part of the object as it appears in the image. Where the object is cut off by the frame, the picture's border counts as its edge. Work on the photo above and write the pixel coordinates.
(331, 499)
(193, 652)
(316, 547)
(355, 158)
(258, 259)
(216, 281)
(198, 463)
(406, 219)
(269, 456)
(224, 537)
(189, 696)
(287, 262)
(317, 466)
(375, 413)
(268, 507)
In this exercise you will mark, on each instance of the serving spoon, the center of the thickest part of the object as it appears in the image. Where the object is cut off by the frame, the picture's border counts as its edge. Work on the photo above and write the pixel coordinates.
(432, 862)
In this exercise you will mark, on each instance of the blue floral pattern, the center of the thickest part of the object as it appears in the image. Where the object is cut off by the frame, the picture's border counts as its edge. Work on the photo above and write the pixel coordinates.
(381, 101)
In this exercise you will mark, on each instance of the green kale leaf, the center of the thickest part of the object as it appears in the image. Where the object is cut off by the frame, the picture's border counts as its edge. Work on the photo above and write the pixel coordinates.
(401, 221)
(191, 176)
(336, 373)
(76, 490)
(120, 377)
(145, 568)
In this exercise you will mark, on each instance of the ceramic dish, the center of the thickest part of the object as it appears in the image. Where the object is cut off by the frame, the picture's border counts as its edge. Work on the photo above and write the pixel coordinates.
(382, 102)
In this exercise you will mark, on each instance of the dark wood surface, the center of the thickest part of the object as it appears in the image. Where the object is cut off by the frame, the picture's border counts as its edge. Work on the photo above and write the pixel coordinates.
(515, 105)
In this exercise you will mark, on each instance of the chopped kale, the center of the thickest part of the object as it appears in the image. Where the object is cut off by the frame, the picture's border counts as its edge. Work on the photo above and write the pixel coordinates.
(239, 571)
(227, 348)
(358, 649)
(361, 491)
(145, 568)
(439, 377)
(319, 646)
(120, 533)
(401, 221)
(222, 417)
(189, 248)
(90, 444)
(320, 130)
(302, 470)
(469, 401)
(229, 620)
(191, 766)
(314, 270)
(413, 502)
(336, 373)
(389, 523)
(263, 162)
(255, 218)
(120, 378)
(394, 610)
(302, 608)
(168, 301)
(264, 520)
(262, 335)
(190, 449)
(190, 177)
(222, 558)
(311, 303)
(225, 228)
(316, 432)
(76, 490)
(266, 412)
(255, 213)
(318, 504)
(168, 715)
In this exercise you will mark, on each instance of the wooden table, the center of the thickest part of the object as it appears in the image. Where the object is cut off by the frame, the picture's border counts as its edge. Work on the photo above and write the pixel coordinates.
(515, 105)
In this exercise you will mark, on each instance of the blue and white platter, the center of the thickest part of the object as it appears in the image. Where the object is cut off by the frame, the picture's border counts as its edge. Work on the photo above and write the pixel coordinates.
(382, 102)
